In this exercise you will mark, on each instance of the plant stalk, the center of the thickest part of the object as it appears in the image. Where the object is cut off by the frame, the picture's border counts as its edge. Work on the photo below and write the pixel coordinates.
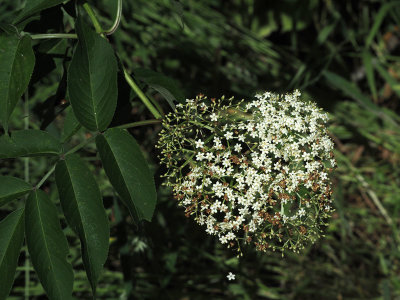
(117, 19)
(53, 36)
(139, 123)
(141, 95)
(45, 177)
(93, 18)
(128, 78)
(85, 142)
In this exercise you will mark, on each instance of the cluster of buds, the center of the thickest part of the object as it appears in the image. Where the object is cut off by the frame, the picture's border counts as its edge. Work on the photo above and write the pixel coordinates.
(252, 172)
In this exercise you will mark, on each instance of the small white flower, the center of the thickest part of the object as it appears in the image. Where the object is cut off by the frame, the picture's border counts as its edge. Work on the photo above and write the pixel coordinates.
(231, 276)
(238, 148)
(199, 143)
(209, 156)
(200, 156)
(323, 175)
(214, 117)
(228, 135)
(333, 162)
(217, 143)
(226, 163)
(230, 236)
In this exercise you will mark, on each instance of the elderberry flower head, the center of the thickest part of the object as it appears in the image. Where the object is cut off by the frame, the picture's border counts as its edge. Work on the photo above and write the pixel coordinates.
(253, 173)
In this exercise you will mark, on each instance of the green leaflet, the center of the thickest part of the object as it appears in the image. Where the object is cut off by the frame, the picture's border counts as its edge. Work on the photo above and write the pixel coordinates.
(83, 208)
(92, 79)
(16, 66)
(48, 246)
(12, 188)
(30, 142)
(11, 238)
(128, 172)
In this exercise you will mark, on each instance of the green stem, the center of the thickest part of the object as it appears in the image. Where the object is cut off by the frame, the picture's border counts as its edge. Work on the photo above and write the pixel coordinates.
(141, 95)
(81, 145)
(117, 19)
(53, 36)
(202, 125)
(73, 150)
(128, 78)
(45, 177)
(93, 18)
(157, 105)
(85, 142)
(27, 178)
(188, 160)
(139, 123)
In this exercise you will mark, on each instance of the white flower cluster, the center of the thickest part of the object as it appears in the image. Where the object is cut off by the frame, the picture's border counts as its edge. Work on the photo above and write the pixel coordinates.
(254, 172)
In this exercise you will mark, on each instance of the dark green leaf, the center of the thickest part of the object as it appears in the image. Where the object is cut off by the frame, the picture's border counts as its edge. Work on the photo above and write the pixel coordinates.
(48, 246)
(378, 19)
(12, 188)
(369, 72)
(128, 172)
(166, 86)
(16, 66)
(92, 79)
(71, 125)
(350, 89)
(11, 238)
(35, 6)
(83, 208)
(29, 142)
(8, 28)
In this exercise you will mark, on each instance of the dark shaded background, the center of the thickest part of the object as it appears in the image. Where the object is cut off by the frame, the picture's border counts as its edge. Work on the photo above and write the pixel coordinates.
(342, 54)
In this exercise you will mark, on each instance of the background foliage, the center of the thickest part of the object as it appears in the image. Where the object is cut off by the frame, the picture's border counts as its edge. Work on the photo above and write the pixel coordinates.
(343, 54)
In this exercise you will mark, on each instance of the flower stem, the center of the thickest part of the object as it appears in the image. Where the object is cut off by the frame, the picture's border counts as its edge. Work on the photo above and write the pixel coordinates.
(141, 95)
(139, 123)
(93, 18)
(202, 125)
